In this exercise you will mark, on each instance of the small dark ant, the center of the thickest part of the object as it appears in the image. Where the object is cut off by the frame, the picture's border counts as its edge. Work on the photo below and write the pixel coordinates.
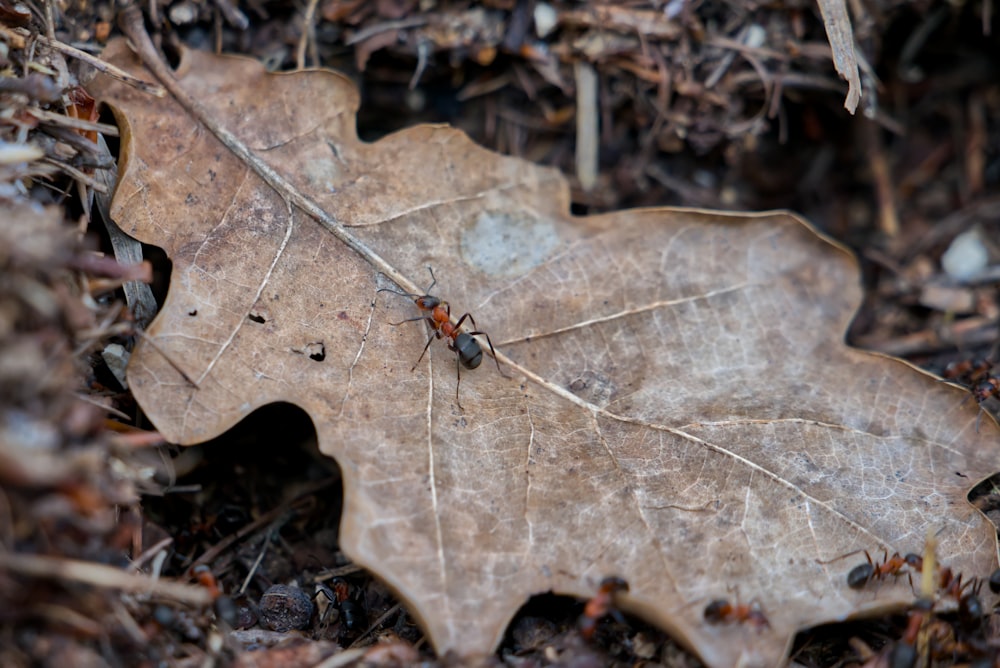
(601, 605)
(468, 352)
(722, 611)
(862, 574)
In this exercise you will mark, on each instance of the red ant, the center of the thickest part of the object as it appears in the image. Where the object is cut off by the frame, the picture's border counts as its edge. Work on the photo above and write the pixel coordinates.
(862, 574)
(976, 374)
(968, 371)
(904, 654)
(950, 584)
(986, 389)
(983, 391)
(204, 576)
(721, 611)
(468, 352)
(601, 605)
(338, 591)
(223, 605)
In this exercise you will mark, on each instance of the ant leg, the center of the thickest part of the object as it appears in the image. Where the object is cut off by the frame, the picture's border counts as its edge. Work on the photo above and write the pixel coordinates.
(843, 556)
(495, 360)
(419, 317)
(458, 381)
(435, 335)
(467, 316)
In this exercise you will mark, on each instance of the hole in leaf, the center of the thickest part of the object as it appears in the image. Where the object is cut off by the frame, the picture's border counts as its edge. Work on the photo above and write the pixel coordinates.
(315, 350)
(266, 478)
(830, 644)
(223, 483)
(539, 622)
(162, 268)
(256, 317)
(986, 497)
(549, 623)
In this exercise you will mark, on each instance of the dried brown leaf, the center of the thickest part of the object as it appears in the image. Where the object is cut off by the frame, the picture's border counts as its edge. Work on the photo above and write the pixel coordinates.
(683, 411)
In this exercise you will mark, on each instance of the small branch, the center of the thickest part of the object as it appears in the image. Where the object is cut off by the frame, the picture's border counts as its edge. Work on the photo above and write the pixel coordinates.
(97, 575)
(587, 123)
(72, 123)
(308, 34)
(102, 66)
(131, 22)
(76, 174)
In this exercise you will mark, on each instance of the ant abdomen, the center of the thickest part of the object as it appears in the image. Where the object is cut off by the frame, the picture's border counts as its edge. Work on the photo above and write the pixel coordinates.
(716, 611)
(860, 575)
(470, 353)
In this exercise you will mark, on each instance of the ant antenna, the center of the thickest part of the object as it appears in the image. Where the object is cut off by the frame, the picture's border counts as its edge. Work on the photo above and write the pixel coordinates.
(413, 295)
(398, 292)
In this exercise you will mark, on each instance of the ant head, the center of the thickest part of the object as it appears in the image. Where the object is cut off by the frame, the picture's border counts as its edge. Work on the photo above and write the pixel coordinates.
(971, 611)
(426, 302)
(716, 610)
(614, 583)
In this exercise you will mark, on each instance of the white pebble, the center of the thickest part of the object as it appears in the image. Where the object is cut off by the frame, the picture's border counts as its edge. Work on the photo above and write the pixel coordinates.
(545, 19)
(965, 257)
